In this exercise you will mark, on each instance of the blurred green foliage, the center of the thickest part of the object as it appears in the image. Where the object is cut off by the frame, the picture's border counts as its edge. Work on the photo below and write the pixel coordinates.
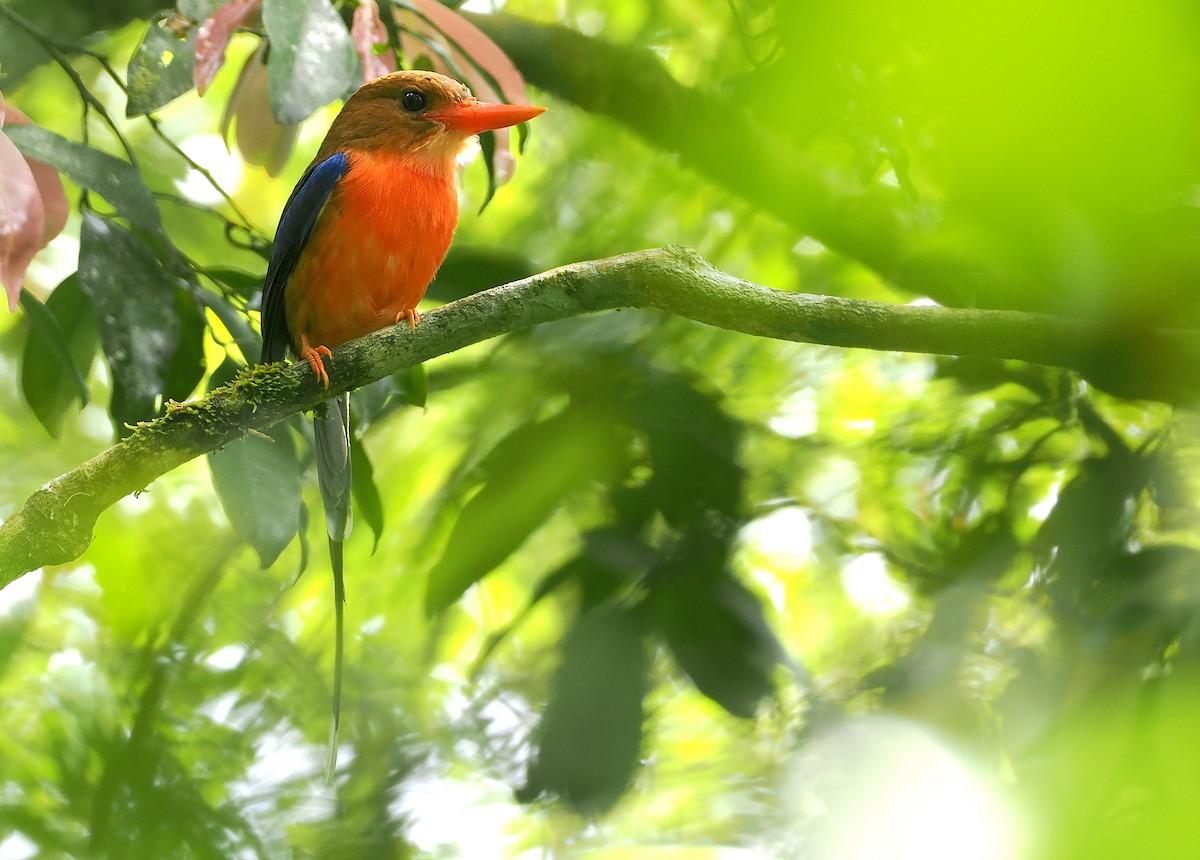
(630, 586)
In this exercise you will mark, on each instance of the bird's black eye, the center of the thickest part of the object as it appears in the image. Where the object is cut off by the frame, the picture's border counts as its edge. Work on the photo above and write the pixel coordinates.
(413, 101)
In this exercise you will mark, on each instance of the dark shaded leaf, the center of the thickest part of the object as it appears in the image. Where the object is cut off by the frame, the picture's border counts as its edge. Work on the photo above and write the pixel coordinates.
(526, 477)
(312, 61)
(115, 180)
(716, 631)
(487, 146)
(366, 493)
(161, 68)
(239, 281)
(62, 342)
(370, 402)
(591, 731)
(693, 444)
(1091, 522)
(186, 367)
(135, 305)
(258, 483)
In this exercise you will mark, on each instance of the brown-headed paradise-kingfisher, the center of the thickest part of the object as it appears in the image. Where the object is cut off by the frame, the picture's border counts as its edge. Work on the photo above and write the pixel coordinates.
(360, 238)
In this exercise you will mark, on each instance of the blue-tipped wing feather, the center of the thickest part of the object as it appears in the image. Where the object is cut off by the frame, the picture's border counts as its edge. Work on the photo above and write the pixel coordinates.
(295, 226)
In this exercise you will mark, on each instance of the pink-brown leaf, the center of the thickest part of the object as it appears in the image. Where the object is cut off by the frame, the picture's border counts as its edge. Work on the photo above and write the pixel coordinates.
(415, 37)
(413, 47)
(54, 198)
(21, 219)
(482, 50)
(368, 31)
(213, 37)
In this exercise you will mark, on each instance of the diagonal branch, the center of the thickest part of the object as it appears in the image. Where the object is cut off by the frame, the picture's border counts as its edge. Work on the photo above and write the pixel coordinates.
(55, 524)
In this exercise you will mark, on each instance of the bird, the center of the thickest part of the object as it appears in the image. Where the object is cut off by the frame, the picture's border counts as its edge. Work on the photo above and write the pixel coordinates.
(359, 239)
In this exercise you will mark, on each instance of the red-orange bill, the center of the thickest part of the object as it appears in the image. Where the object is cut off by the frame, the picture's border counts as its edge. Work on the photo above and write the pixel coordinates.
(473, 117)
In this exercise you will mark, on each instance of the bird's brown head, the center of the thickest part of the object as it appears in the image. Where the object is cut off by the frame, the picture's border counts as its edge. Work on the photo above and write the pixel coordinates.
(420, 113)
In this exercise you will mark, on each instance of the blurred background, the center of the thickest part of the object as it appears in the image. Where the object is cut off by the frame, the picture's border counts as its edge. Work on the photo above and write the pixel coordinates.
(628, 586)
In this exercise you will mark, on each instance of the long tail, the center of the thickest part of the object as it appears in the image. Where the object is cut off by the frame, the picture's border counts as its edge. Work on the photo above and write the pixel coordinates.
(331, 438)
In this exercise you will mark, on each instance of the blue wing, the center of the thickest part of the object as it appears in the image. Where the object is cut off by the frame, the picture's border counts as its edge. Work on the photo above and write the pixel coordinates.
(295, 226)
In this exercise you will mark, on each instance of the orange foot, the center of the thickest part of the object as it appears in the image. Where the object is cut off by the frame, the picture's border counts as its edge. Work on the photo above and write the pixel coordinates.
(313, 355)
(409, 314)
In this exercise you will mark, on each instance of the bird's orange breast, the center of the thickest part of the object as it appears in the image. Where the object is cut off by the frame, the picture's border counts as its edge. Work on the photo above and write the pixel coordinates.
(375, 247)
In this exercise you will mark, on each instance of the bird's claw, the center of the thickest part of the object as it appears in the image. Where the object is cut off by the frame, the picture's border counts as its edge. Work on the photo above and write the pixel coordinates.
(313, 356)
(409, 314)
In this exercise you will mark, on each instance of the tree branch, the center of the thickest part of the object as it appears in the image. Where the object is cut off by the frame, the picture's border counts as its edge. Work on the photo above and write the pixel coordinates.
(55, 524)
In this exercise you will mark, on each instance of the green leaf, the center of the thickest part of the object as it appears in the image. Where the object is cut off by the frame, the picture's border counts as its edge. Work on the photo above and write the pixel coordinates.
(136, 310)
(366, 492)
(248, 341)
(257, 481)
(487, 147)
(115, 180)
(62, 342)
(371, 402)
(412, 385)
(312, 60)
(591, 730)
(716, 631)
(161, 68)
(526, 477)
(302, 531)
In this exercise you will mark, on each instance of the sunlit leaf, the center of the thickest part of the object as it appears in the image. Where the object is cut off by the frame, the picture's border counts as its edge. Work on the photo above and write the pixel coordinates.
(591, 729)
(312, 59)
(115, 180)
(62, 342)
(135, 305)
(248, 341)
(161, 68)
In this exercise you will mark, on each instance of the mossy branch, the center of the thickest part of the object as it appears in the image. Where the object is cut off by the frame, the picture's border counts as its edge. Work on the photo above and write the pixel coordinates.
(55, 524)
